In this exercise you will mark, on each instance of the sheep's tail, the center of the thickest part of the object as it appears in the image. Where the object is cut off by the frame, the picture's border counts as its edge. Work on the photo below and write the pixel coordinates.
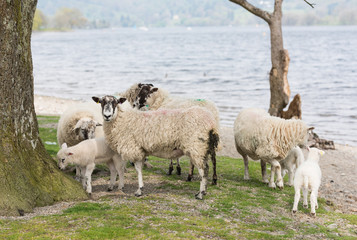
(212, 147)
(306, 182)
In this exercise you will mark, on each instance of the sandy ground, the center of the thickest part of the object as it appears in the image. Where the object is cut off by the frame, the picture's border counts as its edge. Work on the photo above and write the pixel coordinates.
(339, 167)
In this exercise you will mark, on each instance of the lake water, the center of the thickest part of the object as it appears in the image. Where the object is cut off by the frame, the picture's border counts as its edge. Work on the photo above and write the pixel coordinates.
(229, 65)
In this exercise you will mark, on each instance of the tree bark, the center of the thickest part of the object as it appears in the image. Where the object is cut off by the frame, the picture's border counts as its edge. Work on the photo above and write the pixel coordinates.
(28, 175)
(279, 86)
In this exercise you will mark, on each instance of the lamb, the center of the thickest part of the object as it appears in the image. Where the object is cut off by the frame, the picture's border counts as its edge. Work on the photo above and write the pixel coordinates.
(152, 98)
(294, 159)
(164, 133)
(79, 122)
(261, 136)
(86, 155)
(308, 177)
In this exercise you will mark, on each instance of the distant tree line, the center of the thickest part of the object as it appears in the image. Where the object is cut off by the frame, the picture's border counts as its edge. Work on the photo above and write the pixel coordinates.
(65, 19)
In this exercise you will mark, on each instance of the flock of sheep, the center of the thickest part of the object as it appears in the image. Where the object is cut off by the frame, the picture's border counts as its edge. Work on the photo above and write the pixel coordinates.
(147, 121)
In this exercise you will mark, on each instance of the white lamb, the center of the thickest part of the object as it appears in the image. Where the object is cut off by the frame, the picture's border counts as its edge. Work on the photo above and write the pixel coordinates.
(79, 122)
(152, 98)
(261, 136)
(86, 155)
(164, 133)
(308, 177)
(291, 163)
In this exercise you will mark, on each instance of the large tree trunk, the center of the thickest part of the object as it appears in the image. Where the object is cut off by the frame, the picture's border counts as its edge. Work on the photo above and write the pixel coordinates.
(28, 175)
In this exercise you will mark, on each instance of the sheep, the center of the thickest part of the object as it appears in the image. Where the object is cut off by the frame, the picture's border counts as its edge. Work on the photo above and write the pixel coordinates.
(86, 155)
(152, 98)
(77, 123)
(131, 93)
(291, 163)
(168, 133)
(261, 136)
(308, 177)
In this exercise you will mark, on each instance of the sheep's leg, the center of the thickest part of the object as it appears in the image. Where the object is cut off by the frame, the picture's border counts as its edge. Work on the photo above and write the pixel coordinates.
(120, 168)
(78, 174)
(203, 172)
(246, 167)
(296, 199)
(138, 168)
(178, 167)
(88, 177)
(313, 200)
(83, 177)
(263, 166)
(190, 172)
(291, 176)
(171, 167)
(304, 194)
(113, 175)
(275, 167)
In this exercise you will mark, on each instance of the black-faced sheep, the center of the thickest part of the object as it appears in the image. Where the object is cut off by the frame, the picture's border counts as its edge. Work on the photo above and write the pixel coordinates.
(152, 98)
(270, 139)
(165, 133)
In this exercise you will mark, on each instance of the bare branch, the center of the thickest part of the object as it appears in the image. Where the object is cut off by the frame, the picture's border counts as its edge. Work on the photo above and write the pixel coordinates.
(256, 11)
(311, 4)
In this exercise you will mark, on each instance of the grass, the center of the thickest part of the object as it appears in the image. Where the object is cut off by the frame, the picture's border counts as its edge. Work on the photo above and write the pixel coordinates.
(235, 209)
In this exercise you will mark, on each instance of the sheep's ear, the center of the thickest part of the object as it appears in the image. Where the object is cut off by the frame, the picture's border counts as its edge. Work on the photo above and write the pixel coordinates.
(121, 100)
(97, 99)
(154, 90)
(321, 153)
(151, 85)
(64, 146)
(310, 129)
(98, 124)
(140, 85)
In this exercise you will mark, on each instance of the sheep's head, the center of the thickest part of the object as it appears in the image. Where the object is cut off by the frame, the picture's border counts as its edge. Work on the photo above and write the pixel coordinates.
(109, 106)
(63, 155)
(85, 128)
(144, 96)
(304, 139)
(315, 154)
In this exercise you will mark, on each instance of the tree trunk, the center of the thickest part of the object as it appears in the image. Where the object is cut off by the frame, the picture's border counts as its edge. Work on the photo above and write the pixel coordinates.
(28, 175)
(279, 86)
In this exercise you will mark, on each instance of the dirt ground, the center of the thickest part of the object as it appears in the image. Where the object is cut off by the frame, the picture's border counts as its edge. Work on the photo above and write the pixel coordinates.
(339, 167)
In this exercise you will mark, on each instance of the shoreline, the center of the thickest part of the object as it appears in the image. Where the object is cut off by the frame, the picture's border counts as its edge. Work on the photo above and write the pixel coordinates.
(339, 166)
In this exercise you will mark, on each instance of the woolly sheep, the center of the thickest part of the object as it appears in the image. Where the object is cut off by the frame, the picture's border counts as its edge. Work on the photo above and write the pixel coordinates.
(291, 163)
(152, 98)
(86, 155)
(133, 92)
(308, 177)
(79, 122)
(164, 133)
(261, 136)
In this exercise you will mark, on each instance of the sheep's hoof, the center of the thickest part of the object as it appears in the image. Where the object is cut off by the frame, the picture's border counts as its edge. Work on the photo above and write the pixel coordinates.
(178, 169)
(265, 181)
(294, 211)
(170, 170)
(189, 178)
(199, 196)
(272, 185)
(313, 214)
(281, 188)
(138, 194)
(214, 182)
(305, 206)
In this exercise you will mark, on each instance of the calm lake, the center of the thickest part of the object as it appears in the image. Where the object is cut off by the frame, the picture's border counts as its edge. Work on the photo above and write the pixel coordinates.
(228, 65)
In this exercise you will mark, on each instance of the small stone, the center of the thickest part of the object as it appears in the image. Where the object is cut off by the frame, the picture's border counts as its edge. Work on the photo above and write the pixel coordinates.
(343, 174)
(332, 226)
